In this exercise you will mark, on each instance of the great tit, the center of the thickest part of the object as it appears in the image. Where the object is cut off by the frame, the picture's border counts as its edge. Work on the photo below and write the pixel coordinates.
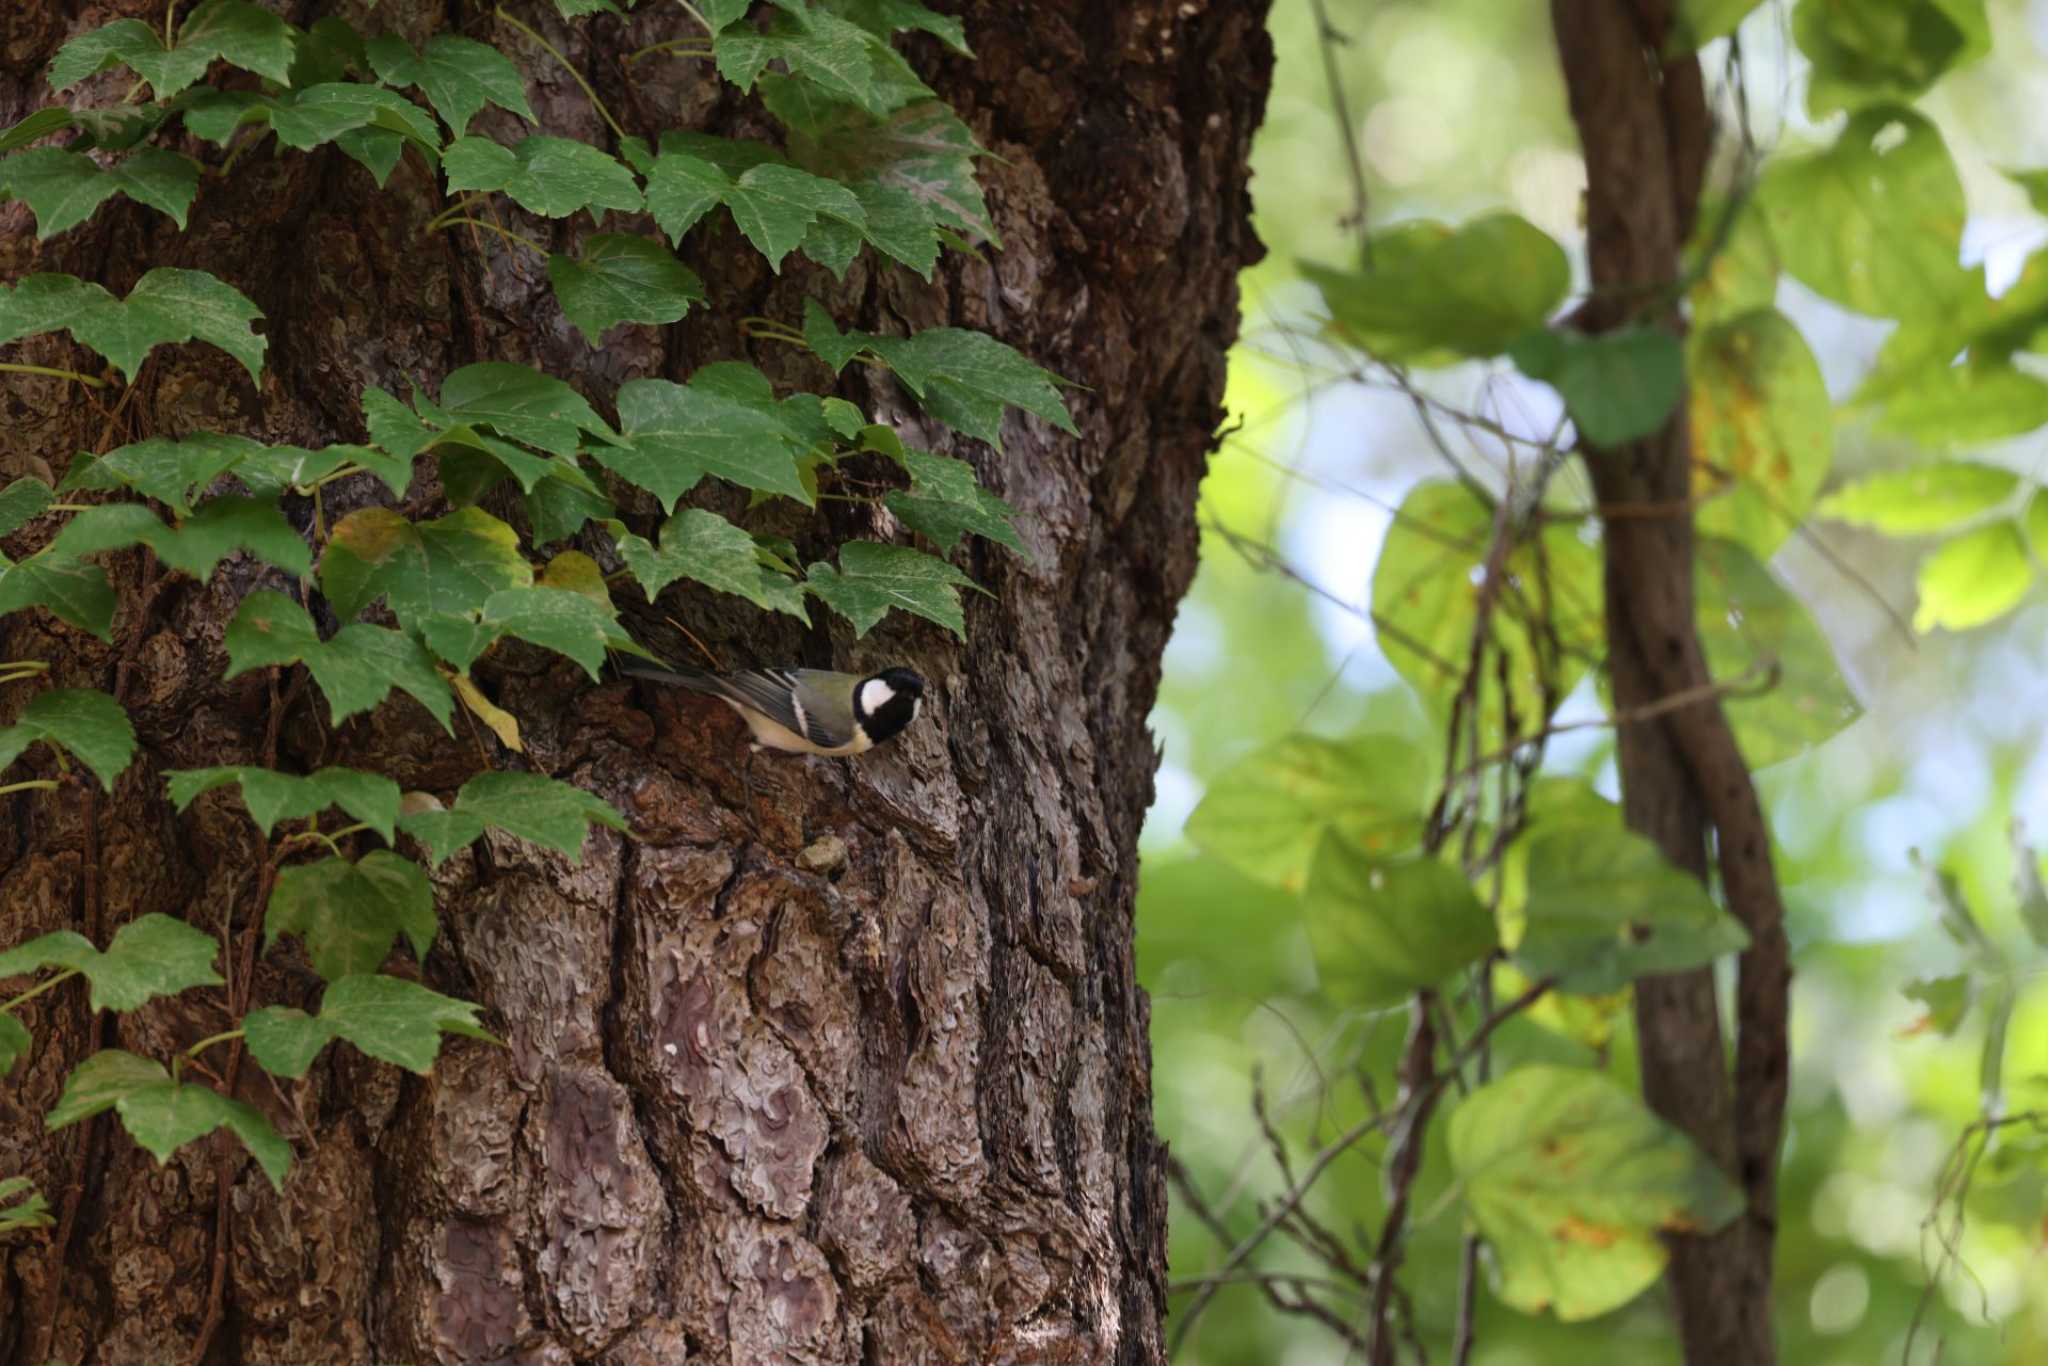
(808, 711)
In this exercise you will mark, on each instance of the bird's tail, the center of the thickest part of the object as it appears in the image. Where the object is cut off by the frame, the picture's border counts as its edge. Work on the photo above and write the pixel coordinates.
(697, 680)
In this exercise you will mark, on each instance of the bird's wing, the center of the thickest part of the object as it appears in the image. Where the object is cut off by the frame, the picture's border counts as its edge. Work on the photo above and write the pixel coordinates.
(773, 693)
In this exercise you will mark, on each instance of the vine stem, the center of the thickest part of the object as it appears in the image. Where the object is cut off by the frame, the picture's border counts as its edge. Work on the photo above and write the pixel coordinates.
(692, 47)
(192, 1054)
(696, 14)
(59, 980)
(30, 785)
(505, 233)
(553, 51)
(13, 367)
(460, 206)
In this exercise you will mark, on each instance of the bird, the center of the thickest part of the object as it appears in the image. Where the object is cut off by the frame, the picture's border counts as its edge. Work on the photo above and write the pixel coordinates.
(808, 711)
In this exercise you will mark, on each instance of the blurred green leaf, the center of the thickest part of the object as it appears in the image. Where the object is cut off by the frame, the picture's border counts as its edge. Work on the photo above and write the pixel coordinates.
(22, 1206)
(1923, 498)
(1742, 274)
(1383, 929)
(1874, 222)
(1762, 428)
(350, 912)
(1947, 1000)
(1428, 294)
(1267, 814)
(15, 1042)
(1617, 386)
(1746, 619)
(1874, 51)
(1233, 931)
(1977, 577)
(1573, 1181)
(1942, 407)
(1604, 907)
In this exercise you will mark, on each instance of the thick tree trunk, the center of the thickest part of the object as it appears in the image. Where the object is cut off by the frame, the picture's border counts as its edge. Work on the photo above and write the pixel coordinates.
(857, 1072)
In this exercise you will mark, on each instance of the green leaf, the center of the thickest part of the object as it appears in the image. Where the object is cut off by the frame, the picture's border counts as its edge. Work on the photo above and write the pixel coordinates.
(563, 500)
(1747, 619)
(446, 567)
(271, 796)
(170, 471)
(963, 378)
(241, 34)
(1945, 406)
(388, 1018)
(84, 721)
(564, 621)
(1383, 929)
(153, 955)
(1762, 428)
(1572, 1181)
(356, 670)
(219, 529)
(1922, 499)
(621, 279)
(1605, 907)
(1617, 386)
(946, 502)
(459, 75)
(135, 45)
(676, 434)
(273, 470)
(74, 592)
(1428, 294)
(872, 578)
(162, 1115)
(167, 305)
(349, 913)
(1975, 578)
(550, 176)
(1875, 51)
(886, 17)
(20, 1211)
(1267, 814)
(1425, 592)
(1875, 222)
(62, 188)
(681, 189)
(15, 1043)
(1699, 22)
(1741, 275)
(701, 545)
(554, 815)
(21, 501)
(1947, 1000)
(515, 401)
(775, 206)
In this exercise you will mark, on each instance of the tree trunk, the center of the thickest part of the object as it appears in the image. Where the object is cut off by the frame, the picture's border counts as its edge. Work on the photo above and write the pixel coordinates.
(855, 1070)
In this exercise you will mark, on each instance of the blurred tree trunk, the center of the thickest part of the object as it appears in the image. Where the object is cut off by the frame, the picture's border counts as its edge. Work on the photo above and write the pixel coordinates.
(860, 1075)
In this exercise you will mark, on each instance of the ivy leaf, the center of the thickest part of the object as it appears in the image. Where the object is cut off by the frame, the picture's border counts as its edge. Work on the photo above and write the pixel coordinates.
(963, 378)
(681, 189)
(1268, 814)
(1925, 498)
(1975, 578)
(273, 470)
(271, 796)
(1572, 1180)
(170, 471)
(872, 578)
(701, 545)
(21, 1205)
(62, 188)
(1605, 907)
(349, 913)
(886, 17)
(555, 815)
(549, 176)
(135, 45)
(388, 1018)
(1942, 407)
(1699, 22)
(1762, 428)
(1617, 386)
(675, 434)
(1748, 618)
(73, 592)
(241, 34)
(558, 619)
(775, 205)
(161, 1114)
(1893, 209)
(15, 1043)
(516, 401)
(1383, 929)
(946, 502)
(563, 500)
(21, 501)
(356, 670)
(166, 305)
(84, 721)
(445, 567)
(219, 529)
(618, 279)
(577, 9)
(1873, 51)
(1427, 294)
(153, 955)
(459, 75)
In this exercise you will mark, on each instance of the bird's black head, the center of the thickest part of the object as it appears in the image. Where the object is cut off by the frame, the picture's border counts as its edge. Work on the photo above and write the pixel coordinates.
(886, 702)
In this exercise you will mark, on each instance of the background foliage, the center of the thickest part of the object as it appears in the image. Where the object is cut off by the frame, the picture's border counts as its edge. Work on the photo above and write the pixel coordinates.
(1904, 245)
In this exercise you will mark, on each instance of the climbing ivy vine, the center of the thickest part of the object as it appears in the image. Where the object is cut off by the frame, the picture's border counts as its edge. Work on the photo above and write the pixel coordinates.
(868, 159)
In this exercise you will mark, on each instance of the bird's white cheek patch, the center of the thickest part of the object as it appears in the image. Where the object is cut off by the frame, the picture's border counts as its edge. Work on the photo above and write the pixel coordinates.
(875, 695)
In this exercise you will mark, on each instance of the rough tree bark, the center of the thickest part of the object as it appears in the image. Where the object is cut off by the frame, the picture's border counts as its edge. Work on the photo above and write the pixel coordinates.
(861, 1075)
(1644, 124)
